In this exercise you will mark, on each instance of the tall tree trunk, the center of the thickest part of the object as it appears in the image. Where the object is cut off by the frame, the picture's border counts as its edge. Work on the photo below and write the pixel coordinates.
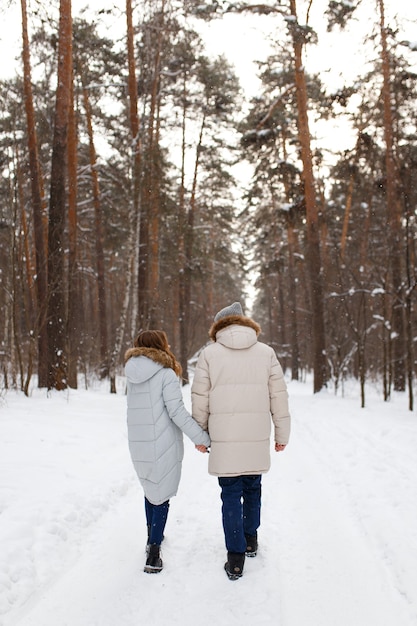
(37, 209)
(346, 218)
(292, 285)
(57, 345)
(29, 296)
(16, 283)
(292, 303)
(411, 284)
(394, 216)
(151, 187)
(362, 346)
(280, 324)
(183, 341)
(133, 246)
(26, 274)
(137, 219)
(73, 291)
(313, 236)
(154, 178)
(410, 351)
(154, 223)
(386, 343)
(99, 240)
(186, 272)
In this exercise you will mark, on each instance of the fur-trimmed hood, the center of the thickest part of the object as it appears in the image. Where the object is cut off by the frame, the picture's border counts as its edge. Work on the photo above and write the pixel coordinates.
(231, 320)
(159, 356)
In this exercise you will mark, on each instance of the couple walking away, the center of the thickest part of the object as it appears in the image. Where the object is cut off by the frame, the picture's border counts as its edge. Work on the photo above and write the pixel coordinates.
(238, 387)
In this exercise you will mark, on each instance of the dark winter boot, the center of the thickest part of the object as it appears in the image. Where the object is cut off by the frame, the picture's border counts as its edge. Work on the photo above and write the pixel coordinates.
(234, 565)
(251, 545)
(153, 562)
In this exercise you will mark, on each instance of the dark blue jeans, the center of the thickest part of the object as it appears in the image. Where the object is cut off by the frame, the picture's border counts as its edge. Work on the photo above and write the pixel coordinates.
(241, 510)
(156, 518)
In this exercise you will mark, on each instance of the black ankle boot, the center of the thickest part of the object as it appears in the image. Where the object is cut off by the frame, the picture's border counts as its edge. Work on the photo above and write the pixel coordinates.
(251, 545)
(234, 565)
(153, 562)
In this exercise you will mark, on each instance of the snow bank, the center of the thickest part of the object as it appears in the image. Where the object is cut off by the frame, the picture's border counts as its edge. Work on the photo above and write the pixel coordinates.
(338, 541)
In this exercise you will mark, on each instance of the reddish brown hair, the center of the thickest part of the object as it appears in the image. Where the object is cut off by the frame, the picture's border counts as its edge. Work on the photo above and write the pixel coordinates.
(158, 340)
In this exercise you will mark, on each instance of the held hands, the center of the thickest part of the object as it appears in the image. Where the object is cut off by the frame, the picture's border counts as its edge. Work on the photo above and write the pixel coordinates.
(278, 448)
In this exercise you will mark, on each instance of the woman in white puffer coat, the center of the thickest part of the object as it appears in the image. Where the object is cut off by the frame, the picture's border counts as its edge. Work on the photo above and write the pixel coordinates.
(156, 419)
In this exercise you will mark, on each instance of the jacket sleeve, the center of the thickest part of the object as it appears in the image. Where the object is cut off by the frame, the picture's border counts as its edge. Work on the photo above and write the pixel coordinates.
(174, 403)
(278, 396)
(200, 392)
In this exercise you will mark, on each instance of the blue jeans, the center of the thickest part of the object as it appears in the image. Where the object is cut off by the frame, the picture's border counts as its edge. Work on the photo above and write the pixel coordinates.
(241, 510)
(156, 518)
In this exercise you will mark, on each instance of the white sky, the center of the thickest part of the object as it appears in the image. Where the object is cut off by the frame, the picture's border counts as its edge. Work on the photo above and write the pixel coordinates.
(240, 36)
(244, 38)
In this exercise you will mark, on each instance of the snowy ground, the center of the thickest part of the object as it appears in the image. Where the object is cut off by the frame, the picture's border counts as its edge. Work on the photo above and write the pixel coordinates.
(338, 542)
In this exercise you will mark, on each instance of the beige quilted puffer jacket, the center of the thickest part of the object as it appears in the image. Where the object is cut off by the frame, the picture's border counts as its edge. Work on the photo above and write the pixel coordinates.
(238, 387)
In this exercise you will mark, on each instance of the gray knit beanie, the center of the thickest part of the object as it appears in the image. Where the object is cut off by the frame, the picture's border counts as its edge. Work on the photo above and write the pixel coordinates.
(233, 309)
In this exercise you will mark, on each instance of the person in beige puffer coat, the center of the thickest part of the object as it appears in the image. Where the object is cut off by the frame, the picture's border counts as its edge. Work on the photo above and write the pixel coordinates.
(238, 386)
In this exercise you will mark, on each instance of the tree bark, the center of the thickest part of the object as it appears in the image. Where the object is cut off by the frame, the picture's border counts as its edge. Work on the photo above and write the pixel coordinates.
(132, 291)
(57, 345)
(348, 208)
(292, 285)
(99, 240)
(183, 339)
(138, 222)
(23, 260)
(411, 284)
(37, 210)
(73, 291)
(154, 180)
(292, 304)
(313, 236)
(394, 216)
(185, 275)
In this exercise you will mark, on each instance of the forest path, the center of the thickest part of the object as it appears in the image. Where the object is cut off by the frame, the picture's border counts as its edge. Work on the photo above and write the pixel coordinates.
(338, 542)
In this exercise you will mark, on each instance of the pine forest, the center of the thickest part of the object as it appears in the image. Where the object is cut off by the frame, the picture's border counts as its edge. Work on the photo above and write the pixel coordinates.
(123, 205)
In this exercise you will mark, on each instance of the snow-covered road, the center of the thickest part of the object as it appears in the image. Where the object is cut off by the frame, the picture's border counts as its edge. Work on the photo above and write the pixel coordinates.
(338, 541)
